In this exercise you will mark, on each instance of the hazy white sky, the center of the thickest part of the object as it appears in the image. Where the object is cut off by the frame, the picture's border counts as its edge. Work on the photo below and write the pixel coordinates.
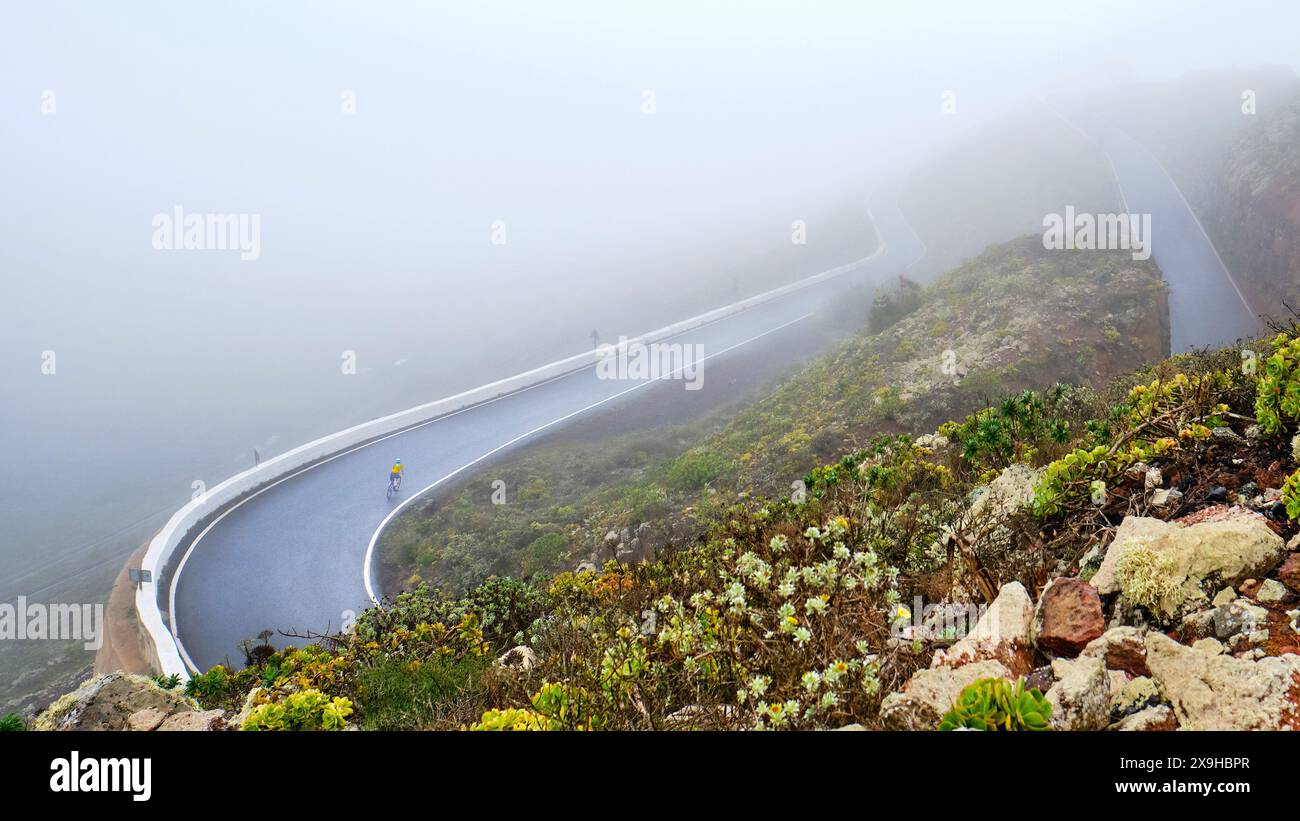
(376, 226)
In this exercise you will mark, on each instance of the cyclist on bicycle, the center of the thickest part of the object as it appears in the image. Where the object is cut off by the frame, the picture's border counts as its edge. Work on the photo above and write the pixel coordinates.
(395, 476)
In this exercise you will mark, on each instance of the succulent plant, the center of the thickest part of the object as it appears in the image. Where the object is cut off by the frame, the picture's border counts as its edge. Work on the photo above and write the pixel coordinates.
(997, 704)
(1277, 398)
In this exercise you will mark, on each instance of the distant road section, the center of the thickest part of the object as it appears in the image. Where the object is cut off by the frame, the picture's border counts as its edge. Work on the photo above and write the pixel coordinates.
(1206, 307)
(297, 553)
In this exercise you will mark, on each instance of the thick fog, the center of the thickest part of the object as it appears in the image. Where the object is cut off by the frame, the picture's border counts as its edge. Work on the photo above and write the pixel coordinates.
(445, 194)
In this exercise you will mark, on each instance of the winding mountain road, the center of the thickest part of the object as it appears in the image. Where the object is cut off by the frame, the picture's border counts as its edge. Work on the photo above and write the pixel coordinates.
(297, 554)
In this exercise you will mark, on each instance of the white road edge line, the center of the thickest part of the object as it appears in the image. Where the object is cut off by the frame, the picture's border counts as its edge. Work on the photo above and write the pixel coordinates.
(374, 539)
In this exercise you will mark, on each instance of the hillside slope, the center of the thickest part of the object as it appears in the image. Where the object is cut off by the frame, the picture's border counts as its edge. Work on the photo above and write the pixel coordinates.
(1254, 216)
(998, 181)
(1070, 559)
(1017, 316)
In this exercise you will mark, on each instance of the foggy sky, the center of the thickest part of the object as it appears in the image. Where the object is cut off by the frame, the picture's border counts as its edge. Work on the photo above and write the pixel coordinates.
(376, 226)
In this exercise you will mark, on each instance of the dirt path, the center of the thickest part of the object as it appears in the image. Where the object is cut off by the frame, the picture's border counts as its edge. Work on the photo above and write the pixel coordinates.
(123, 647)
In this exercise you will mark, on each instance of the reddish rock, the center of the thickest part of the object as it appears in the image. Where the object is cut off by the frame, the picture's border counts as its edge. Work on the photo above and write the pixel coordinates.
(195, 720)
(1289, 572)
(1068, 617)
(1122, 648)
(145, 720)
(1220, 513)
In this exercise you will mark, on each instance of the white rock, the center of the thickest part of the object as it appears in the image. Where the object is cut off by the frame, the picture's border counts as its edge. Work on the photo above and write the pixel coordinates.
(930, 693)
(1165, 496)
(1219, 692)
(1271, 591)
(1002, 634)
(1120, 648)
(145, 720)
(1209, 646)
(1117, 680)
(1239, 616)
(1080, 698)
(1231, 548)
(1138, 691)
(1197, 625)
(197, 720)
(521, 658)
(1012, 490)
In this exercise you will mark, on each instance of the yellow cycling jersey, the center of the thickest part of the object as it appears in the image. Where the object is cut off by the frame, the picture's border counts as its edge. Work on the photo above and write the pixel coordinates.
(397, 468)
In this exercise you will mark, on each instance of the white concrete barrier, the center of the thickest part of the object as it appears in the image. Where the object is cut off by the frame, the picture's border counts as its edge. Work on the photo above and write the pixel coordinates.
(164, 653)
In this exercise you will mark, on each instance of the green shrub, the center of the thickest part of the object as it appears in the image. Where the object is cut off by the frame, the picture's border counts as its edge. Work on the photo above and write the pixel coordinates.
(555, 707)
(544, 554)
(303, 710)
(12, 723)
(996, 704)
(400, 695)
(501, 608)
(1151, 422)
(167, 682)
(645, 502)
(1018, 428)
(219, 688)
(893, 303)
(694, 469)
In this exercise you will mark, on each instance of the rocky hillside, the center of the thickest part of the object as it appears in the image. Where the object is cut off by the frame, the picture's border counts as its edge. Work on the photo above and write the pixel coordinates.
(1071, 559)
(1254, 216)
(1015, 317)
